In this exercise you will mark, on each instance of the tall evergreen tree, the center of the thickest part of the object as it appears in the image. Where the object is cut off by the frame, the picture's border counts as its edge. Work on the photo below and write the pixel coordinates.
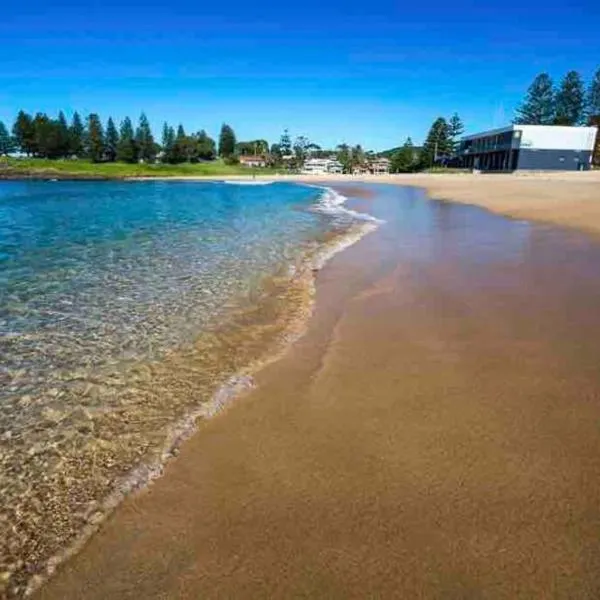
(7, 142)
(595, 120)
(437, 144)
(403, 160)
(593, 96)
(226, 141)
(44, 136)
(181, 149)
(127, 148)
(285, 143)
(168, 143)
(455, 130)
(570, 100)
(95, 138)
(111, 140)
(145, 140)
(62, 135)
(76, 135)
(24, 133)
(538, 108)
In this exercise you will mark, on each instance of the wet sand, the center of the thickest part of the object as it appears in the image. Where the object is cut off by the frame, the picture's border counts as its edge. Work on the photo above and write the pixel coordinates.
(434, 434)
(570, 199)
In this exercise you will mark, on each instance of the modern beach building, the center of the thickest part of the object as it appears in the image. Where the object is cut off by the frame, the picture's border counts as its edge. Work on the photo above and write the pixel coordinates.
(529, 147)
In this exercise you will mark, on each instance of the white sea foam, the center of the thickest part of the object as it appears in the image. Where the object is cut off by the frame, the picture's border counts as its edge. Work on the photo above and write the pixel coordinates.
(334, 203)
(247, 182)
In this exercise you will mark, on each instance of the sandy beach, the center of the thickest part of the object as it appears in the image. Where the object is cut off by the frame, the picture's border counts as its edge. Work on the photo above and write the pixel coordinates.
(434, 434)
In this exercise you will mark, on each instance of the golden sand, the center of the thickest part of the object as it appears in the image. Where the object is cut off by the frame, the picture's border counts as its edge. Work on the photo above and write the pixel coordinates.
(434, 434)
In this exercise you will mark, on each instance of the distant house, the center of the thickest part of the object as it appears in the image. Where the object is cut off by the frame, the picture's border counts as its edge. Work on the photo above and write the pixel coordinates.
(321, 166)
(362, 169)
(529, 147)
(253, 161)
(380, 166)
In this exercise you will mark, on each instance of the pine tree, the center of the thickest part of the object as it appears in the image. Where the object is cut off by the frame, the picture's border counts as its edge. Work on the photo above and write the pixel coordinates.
(593, 96)
(7, 142)
(145, 140)
(437, 144)
(570, 100)
(226, 142)
(538, 107)
(24, 133)
(111, 140)
(455, 130)
(403, 160)
(95, 138)
(63, 135)
(181, 151)
(168, 143)
(127, 148)
(285, 143)
(44, 142)
(76, 135)
(595, 121)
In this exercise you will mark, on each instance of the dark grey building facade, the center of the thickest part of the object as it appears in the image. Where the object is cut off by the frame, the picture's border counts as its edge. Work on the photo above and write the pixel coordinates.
(529, 147)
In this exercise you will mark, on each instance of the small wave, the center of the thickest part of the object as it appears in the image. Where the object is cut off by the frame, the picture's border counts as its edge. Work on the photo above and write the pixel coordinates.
(246, 182)
(333, 203)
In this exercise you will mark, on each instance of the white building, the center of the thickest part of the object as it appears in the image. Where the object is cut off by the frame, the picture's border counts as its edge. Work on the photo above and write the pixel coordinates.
(321, 166)
(532, 147)
(380, 166)
(253, 161)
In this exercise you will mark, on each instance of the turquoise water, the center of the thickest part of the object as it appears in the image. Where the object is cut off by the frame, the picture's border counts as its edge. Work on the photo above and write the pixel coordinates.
(108, 294)
(123, 270)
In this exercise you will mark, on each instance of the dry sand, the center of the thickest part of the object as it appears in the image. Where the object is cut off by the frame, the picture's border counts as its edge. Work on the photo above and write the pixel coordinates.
(433, 435)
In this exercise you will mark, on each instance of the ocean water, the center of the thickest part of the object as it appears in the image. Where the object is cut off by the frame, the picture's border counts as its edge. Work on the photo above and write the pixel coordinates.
(127, 309)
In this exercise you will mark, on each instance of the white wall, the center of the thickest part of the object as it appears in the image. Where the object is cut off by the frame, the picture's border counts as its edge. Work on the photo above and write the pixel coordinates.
(554, 137)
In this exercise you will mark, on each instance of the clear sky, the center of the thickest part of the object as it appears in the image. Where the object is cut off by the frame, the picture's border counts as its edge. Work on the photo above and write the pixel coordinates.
(369, 72)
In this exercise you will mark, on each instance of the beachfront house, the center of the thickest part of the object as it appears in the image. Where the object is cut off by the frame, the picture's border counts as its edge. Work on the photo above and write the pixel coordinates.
(380, 166)
(529, 147)
(321, 166)
(253, 161)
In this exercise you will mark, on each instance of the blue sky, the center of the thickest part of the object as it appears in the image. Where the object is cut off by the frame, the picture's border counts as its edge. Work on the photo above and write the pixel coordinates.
(333, 70)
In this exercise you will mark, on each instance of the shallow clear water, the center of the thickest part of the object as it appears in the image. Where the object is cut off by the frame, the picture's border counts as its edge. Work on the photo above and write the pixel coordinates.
(122, 307)
(94, 272)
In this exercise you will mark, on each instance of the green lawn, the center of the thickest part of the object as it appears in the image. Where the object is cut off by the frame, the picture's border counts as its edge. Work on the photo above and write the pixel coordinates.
(38, 167)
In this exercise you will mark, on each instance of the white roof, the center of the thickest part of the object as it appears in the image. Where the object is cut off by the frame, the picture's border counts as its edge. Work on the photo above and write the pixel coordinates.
(547, 137)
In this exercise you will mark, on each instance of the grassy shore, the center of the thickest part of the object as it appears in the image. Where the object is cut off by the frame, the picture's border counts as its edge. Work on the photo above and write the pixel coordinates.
(11, 168)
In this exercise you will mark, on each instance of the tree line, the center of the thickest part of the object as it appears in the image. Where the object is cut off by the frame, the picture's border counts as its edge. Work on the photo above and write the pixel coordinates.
(41, 136)
(569, 103)
(441, 143)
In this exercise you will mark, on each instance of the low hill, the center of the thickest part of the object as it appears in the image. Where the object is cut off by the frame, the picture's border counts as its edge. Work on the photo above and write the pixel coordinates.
(389, 153)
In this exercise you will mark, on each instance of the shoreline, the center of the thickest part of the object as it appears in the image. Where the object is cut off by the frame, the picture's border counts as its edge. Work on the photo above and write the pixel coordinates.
(312, 424)
(287, 310)
(569, 199)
